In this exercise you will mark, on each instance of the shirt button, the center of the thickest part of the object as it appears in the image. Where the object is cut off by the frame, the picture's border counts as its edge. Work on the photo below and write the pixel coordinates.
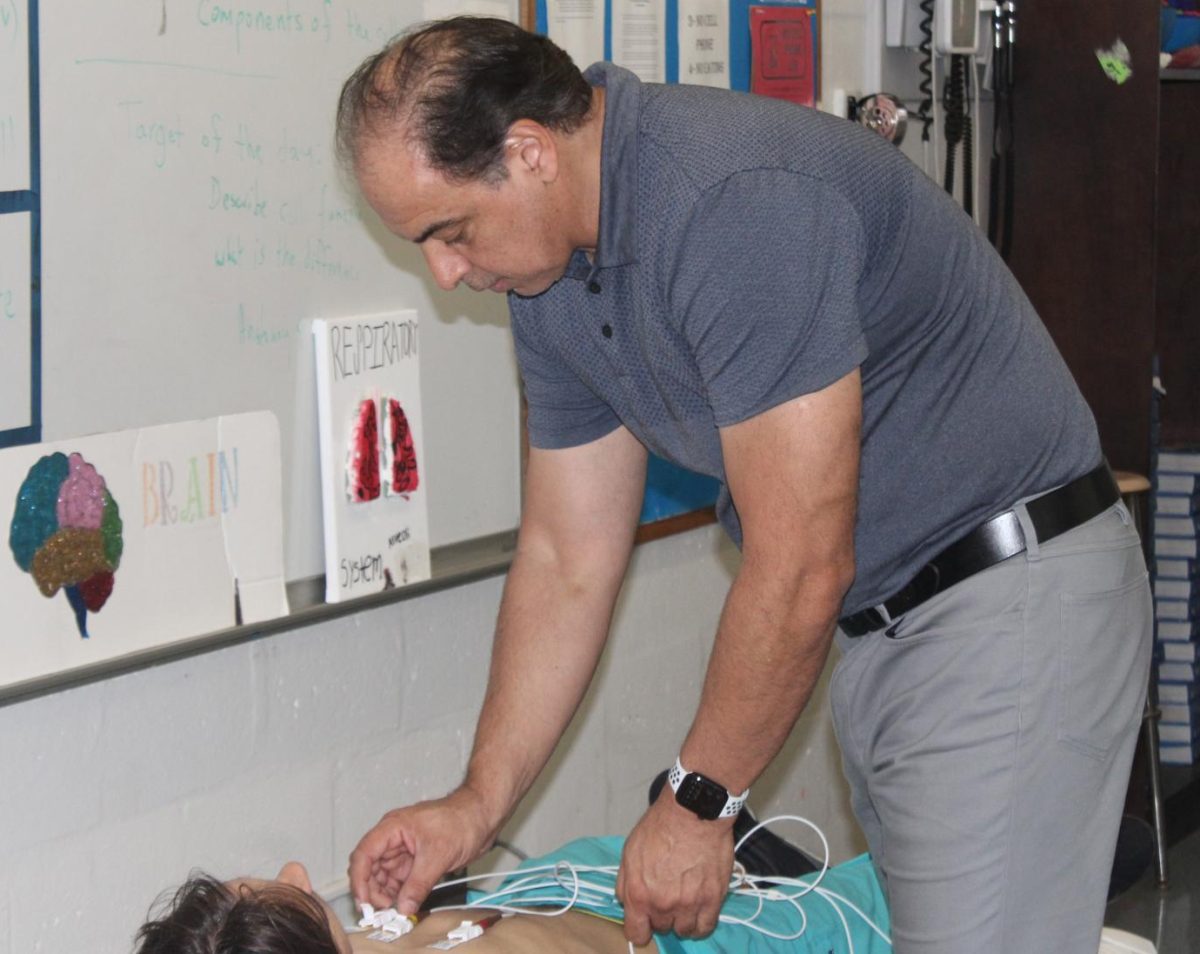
(606, 331)
(594, 288)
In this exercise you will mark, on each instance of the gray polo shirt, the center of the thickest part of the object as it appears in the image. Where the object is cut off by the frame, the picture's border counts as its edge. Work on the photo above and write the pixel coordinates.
(751, 251)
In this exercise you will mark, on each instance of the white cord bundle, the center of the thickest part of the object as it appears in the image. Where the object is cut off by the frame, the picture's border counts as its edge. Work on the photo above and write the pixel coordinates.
(573, 878)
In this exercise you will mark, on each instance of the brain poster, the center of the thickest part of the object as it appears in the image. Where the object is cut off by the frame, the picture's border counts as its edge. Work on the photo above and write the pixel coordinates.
(119, 543)
(66, 532)
(372, 463)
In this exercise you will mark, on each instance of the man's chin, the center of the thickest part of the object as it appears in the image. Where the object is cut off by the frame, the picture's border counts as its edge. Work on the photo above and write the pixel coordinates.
(501, 286)
(533, 289)
(498, 285)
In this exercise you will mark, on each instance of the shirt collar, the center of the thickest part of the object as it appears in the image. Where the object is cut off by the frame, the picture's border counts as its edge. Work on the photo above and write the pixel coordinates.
(617, 243)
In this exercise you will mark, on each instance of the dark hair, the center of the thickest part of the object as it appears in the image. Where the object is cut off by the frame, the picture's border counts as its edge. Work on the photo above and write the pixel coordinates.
(206, 917)
(454, 87)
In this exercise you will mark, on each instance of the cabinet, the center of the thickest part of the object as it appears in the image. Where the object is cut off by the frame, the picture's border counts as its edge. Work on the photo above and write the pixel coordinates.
(1177, 326)
(1105, 217)
(1086, 169)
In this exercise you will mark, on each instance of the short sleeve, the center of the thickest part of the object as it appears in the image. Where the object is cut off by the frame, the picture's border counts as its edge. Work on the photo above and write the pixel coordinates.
(766, 289)
(563, 411)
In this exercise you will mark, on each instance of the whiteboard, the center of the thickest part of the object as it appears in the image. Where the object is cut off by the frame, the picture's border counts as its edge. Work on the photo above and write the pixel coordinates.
(16, 311)
(194, 223)
(14, 96)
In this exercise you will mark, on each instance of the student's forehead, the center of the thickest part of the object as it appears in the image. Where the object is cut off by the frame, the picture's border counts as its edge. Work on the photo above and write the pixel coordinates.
(251, 883)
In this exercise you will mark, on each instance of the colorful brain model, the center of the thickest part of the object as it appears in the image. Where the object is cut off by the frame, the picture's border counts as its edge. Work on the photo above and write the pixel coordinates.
(66, 531)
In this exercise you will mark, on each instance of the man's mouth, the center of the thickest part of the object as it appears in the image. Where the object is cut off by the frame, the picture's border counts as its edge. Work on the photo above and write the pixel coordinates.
(483, 284)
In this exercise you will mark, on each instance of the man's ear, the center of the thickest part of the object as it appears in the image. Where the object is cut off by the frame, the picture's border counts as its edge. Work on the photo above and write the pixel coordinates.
(531, 148)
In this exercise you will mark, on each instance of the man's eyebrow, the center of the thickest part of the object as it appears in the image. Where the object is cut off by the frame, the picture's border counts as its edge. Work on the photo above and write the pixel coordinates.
(437, 227)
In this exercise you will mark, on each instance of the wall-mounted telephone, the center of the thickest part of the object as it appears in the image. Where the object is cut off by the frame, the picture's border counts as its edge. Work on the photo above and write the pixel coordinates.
(957, 55)
(955, 24)
(947, 35)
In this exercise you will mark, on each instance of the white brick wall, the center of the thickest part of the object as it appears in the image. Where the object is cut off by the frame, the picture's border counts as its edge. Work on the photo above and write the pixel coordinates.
(291, 746)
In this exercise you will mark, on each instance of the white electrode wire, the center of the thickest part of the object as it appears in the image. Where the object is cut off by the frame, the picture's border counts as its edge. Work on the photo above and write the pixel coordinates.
(763, 897)
(594, 894)
(845, 926)
(554, 869)
(566, 876)
(804, 821)
(833, 896)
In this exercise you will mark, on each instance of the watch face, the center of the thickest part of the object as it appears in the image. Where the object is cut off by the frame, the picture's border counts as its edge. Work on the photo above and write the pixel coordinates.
(701, 795)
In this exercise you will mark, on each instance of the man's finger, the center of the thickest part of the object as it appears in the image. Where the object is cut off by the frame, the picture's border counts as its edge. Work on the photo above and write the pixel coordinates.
(663, 921)
(361, 872)
(706, 921)
(416, 888)
(379, 896)
(684, 925)
(637, 927)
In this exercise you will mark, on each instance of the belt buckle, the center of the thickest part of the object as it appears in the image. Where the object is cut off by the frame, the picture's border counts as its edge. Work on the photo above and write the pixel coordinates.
(875, 618)
(926, 584)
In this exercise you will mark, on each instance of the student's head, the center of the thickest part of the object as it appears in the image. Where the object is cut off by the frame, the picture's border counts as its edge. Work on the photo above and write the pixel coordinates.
(453, 89)
(462, 137)
(245, 916)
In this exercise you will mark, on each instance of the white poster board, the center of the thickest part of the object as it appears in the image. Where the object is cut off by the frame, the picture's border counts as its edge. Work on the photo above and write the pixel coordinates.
(124, 542)
(372, 453)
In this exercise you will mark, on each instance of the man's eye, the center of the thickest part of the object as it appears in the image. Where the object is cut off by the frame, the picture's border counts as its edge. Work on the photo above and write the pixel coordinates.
(458, 238)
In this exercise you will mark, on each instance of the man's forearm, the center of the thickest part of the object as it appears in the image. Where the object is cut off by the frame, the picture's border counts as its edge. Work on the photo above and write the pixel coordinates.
(770, 649)
(551, 630)
(576, 537)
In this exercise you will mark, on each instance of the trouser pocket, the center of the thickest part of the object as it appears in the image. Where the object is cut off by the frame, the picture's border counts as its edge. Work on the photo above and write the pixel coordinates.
(1103, 659)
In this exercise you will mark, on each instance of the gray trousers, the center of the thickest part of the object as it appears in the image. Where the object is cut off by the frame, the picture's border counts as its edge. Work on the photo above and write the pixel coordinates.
(987, 737)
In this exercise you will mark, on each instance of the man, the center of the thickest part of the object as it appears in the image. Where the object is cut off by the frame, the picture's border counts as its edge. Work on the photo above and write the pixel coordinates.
(781, 300)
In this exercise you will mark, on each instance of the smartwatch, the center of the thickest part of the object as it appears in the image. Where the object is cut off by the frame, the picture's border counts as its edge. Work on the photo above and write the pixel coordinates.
(702, 796)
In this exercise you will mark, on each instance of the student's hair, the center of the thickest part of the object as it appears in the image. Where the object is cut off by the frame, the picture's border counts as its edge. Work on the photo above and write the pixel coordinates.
(453, 88)
(206, 917)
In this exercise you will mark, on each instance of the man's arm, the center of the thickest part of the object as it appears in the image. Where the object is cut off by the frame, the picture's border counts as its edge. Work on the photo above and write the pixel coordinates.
(576, 535)
(793, 475)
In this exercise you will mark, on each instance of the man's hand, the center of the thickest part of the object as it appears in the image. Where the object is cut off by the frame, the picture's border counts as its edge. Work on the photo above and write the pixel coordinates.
(674, 872)
(398, 862)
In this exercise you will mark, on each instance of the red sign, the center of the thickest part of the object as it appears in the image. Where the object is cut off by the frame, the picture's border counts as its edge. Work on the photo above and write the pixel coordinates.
(784, 60)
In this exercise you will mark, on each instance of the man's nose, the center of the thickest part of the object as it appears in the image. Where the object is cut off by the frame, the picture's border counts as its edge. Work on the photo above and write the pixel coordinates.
(445, 264)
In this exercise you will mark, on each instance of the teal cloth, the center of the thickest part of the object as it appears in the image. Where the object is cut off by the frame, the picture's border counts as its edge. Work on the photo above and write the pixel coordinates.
(855, 880)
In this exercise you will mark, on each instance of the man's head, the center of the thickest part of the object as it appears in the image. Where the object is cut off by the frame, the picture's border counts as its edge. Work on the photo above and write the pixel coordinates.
(465, 137)
(453, 88)
(281, 916)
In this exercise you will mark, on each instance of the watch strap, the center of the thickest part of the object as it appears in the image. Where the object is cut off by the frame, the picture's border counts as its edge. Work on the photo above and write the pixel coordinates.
(733, 803)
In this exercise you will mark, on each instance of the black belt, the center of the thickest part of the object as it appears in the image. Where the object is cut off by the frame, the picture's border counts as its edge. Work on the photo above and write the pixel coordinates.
(998, 539)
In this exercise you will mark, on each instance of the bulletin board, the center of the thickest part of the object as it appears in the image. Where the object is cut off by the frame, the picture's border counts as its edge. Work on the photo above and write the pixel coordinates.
(172, 219)
(736, 44)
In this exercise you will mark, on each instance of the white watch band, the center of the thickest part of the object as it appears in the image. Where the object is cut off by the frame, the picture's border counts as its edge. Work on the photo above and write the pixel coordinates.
(733, 803)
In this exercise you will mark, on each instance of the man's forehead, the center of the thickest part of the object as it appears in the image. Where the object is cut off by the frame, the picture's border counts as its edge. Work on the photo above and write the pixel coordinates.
(410, 196)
